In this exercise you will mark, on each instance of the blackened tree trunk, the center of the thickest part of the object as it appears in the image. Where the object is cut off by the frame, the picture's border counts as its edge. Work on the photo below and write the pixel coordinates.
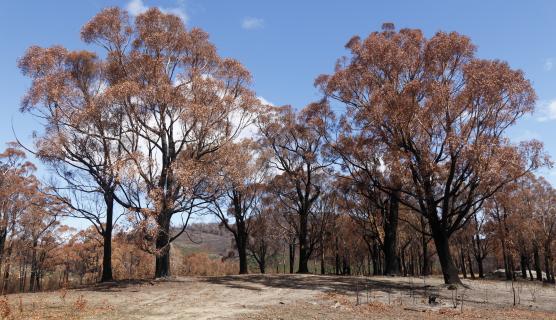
(391, 265)
(425, 246)
(376, 260)
(241, 244)
(322, 258)
(240, 228)
(523, 265)
(262, 264)
(441, 241)
(162, 260)
(346, 265)
(304, 251)
(34, 284)
(480, 267)
(337, 256)
(530, 272)
(292, 256)
(479, 255)
(537, 261)
(241, 238)
(548, 263)
(107, 238)
(470, 262)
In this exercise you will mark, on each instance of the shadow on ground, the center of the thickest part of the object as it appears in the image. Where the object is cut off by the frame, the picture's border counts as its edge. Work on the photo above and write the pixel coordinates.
(314, 282)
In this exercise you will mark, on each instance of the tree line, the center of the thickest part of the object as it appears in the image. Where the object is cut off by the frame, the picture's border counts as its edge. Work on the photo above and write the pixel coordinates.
(154, 127)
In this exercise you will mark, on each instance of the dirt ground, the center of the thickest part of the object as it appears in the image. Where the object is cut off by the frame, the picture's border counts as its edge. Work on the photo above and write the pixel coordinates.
(288, 297)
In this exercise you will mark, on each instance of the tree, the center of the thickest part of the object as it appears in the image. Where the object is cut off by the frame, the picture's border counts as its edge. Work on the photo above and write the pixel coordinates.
(296, 140)
(544, 204)
(375, 211)
(481, 242)
(28, 219)
(159, 106)
(243, 173)
(82, 140)
(39, 224)
(441, 113)
(264, 239)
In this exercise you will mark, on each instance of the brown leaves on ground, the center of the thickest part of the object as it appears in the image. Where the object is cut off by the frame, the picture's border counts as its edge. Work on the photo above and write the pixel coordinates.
(342, 304)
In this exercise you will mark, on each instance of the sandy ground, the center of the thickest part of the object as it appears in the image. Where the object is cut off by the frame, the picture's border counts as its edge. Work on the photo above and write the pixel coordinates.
(288, 297)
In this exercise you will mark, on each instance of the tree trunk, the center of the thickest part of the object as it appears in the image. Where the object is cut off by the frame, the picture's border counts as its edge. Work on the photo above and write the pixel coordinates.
(530, 272)
(34, 276)
(241, 245)
(346, 265)
(7, 266)
(292, 256)
(507, 265)
(479, 255)
(262, 263)
(162, 260)
(337, 260)
(548, 263)
(242, 252)
(107, 237)
(303, 245)
(376, 262)
(480, 266)
(470, 262)
(537, 261)
(462, 259)
(391, 265)
(441, 241)
(425, 245)
(523, 265)
(322, 260)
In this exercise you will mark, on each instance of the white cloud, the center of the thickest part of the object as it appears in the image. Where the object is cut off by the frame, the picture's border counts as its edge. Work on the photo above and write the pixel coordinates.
(548, 64)
(547, 111)
(136, 7)
(264, 101)
(251, 23)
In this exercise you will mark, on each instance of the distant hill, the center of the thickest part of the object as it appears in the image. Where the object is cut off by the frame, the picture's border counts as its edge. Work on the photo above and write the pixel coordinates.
(206, 237)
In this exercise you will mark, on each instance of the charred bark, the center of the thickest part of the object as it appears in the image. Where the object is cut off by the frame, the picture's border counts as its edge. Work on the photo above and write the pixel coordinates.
(391, 265)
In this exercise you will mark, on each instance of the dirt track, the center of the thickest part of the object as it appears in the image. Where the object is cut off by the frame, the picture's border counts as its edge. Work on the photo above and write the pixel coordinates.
(287, 297)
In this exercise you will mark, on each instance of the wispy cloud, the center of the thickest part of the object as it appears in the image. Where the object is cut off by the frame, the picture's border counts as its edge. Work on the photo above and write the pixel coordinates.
(547, 111)
(136, 7)
(527, 135)
(251, 23)
(548, 64)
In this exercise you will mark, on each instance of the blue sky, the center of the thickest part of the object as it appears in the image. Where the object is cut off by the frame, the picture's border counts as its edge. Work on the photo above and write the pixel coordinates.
(286, 44)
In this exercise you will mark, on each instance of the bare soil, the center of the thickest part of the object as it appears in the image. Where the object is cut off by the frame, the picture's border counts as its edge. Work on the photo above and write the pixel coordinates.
(288, 297)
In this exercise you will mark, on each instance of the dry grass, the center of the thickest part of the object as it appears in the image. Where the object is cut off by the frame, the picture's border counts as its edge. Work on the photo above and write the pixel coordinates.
(201, 264)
